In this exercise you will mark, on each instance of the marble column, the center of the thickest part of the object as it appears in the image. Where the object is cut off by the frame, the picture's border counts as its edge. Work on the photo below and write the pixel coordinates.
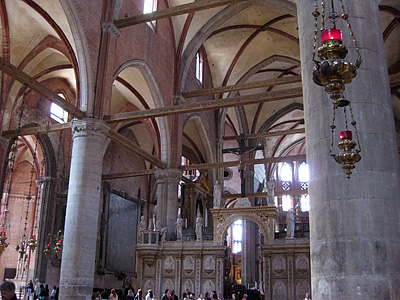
(83, 203)
(167, 197)
(354, 223)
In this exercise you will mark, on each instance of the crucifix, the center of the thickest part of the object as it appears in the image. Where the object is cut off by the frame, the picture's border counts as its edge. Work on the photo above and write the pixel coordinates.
(241, 151)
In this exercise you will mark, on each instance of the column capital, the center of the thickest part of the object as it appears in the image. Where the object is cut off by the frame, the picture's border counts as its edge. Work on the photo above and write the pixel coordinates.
(89, 126)
(111, 28)
(168, 175)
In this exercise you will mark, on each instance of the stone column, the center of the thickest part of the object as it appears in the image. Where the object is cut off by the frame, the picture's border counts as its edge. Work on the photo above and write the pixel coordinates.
(46, 188)
(354, 224)
(167, 197)
(249, 232)
(83, 203)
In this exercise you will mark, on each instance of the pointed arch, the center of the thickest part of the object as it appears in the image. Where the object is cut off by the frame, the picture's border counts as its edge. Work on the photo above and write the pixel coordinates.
(143, 67)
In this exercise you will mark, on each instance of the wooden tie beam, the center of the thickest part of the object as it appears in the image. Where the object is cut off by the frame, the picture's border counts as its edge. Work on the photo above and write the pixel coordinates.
(205, 105)
(33, 84)
(242, 86)
(36, 130)
(123, 141)
(266, 134)
(172, 11)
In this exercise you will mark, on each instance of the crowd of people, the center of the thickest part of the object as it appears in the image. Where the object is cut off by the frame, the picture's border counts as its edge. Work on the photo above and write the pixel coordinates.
(41, 292)
(34, 291)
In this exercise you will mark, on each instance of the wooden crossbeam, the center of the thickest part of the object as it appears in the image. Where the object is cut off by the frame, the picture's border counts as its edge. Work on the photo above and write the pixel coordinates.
(127, 174)
(207, 166)
(264, 195)
(266, 134)
(33, 84)
(36, 130)
(205, 105)
(123, 141)
(234, 163)
(172, 11)
(242, 86)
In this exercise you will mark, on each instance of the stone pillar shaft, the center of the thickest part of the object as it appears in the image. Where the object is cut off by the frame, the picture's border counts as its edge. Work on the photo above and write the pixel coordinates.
(167, 197)
(79, 252)
(354, 224)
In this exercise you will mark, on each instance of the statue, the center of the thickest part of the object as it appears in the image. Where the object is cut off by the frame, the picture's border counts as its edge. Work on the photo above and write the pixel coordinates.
(217, 195)
(289, 224)
(199, 226)
(164, 231)
(178, 228)
(142, 224)
(271, 192)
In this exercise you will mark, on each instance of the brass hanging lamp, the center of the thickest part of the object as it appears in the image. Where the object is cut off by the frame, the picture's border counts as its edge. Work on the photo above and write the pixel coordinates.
(333, 72)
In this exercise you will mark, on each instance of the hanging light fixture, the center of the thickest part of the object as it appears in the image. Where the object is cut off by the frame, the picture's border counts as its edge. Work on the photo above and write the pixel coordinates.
(47, 248)
(59, 244)
(3, 244)
(334, 72)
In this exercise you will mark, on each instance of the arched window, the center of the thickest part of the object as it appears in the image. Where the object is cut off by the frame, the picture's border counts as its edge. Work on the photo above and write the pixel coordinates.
(305, 202)
(57, 112)
(286, 176)
(237, 235)
(199, 66)
(303, 176)
(286, 202)
(150, 6)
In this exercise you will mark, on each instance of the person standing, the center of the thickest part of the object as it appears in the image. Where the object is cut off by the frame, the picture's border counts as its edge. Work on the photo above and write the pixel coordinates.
(173, 296)
(7, 289)
(53, 293)
(138, 295)
(308, 297)
(29, 289)
(130, 295)
(167, 295)
(150, 295)
(113, 295)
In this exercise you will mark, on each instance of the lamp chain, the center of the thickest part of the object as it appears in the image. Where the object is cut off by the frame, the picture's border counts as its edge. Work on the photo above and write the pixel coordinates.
(345, 17)
(316, 15)
(355, 127)
(323, 15)
(333, 127)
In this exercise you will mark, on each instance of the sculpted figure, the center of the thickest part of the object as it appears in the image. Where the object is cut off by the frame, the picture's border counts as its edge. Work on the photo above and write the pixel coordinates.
(142, 225)
(199, 226)
(289, 224)
(271, 192)
(178, 228)
(164, 231)
(217, 195)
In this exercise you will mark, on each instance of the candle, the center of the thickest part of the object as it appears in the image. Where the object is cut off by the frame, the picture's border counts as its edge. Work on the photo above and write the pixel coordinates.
(346, 135)
(331, 34)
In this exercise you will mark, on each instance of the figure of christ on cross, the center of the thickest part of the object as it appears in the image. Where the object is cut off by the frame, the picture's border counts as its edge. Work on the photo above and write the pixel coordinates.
(241, 151)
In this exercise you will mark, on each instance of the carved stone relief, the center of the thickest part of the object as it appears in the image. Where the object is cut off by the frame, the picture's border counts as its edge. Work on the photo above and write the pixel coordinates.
(209, 265)
(188, 265)
(279, 289)
(302, 264)
(169, 265)
(149, 269)
(302, 287)
(208, 286)
(278, 265)
(167, 284)
(188, 284)
(148, 285)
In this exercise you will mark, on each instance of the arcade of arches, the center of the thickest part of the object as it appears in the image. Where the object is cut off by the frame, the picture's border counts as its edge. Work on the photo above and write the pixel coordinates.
(189, 147)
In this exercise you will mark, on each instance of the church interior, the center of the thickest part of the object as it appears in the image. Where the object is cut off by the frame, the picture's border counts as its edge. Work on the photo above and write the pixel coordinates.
(236, 146)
